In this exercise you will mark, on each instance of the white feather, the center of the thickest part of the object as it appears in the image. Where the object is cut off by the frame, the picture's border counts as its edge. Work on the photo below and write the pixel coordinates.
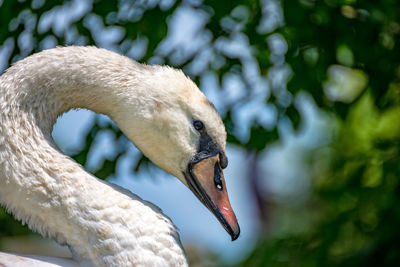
(103, 224)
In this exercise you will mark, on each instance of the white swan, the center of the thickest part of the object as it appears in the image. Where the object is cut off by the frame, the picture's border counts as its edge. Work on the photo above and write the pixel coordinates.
(157, 107)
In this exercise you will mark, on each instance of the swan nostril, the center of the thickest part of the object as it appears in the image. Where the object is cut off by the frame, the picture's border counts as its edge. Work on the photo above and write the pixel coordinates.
(217, 177)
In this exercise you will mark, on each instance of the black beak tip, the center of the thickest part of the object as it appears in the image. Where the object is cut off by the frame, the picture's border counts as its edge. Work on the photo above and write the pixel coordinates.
(235, 234)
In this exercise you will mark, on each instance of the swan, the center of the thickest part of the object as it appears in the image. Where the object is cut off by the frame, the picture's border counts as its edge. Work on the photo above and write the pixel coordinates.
(157, 107)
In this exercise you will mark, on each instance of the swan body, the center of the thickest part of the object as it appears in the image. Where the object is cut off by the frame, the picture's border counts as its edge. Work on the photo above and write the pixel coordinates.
(14, 260)
(155, 106)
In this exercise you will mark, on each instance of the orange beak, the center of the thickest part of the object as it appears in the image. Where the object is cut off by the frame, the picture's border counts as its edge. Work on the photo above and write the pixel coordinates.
(206, 180)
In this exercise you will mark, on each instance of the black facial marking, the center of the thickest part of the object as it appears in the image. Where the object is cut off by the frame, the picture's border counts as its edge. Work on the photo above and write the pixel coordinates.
(207, 148)
(223, 160)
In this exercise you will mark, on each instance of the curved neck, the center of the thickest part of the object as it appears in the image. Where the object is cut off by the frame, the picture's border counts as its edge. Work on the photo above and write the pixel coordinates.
(55, 81)
(101, 223)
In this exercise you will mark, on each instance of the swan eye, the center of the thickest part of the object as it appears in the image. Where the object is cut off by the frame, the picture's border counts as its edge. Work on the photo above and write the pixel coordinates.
(199, 126)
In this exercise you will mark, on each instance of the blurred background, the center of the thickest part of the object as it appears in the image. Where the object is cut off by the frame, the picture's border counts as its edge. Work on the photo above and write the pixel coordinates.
(309, 92)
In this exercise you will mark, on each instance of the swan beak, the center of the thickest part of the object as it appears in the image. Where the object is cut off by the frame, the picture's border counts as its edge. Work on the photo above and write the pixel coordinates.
(207, 182)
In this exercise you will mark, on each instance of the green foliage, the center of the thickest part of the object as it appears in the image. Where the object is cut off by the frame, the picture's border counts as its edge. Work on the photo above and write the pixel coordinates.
(354, 208)
(8, 227)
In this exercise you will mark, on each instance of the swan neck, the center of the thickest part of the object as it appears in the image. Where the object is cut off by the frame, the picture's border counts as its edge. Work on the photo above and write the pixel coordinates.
(50, 192)
(55, 81)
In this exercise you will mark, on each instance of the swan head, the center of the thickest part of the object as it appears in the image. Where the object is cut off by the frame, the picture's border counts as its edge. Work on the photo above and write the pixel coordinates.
(174, 125)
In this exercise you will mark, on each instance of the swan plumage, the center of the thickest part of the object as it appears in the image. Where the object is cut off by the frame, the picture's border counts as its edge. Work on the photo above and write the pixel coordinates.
(155, 106)
(15, 260)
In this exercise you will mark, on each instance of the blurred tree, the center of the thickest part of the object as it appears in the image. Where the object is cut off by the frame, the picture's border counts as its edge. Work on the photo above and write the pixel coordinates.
(346, 55)
(262, 55)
